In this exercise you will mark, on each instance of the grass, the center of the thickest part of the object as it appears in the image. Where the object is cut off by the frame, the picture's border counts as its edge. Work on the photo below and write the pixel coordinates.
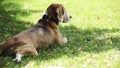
(93, 33)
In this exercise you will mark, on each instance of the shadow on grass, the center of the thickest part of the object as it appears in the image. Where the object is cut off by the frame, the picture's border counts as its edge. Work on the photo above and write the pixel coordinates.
(87, 40)
(9, 24)
(91, 41)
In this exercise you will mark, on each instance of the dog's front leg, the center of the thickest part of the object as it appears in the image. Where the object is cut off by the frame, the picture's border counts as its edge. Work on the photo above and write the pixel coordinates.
(61, 40)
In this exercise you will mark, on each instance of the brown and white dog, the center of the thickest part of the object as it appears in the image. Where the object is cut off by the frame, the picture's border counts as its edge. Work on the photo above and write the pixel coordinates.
(45, 32)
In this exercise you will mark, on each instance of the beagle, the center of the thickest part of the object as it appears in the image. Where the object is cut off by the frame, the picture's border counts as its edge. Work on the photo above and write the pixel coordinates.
(45, 32)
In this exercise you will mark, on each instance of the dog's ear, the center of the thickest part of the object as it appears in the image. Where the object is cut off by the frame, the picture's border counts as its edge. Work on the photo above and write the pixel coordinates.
(60, 13)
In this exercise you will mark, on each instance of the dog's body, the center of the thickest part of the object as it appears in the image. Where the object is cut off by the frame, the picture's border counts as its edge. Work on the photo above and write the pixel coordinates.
(45, 32)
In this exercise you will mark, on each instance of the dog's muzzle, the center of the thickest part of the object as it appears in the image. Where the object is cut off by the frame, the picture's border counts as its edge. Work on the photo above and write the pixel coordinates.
(68, 17)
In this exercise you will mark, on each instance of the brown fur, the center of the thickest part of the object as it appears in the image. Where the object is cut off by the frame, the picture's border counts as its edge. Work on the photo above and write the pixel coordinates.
(41, 35)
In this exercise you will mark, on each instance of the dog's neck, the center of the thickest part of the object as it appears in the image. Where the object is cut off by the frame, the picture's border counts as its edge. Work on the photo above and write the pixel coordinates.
(49, 18)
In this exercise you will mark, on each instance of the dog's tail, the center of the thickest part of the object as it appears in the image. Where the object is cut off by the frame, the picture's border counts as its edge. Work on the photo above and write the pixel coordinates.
(5, 45)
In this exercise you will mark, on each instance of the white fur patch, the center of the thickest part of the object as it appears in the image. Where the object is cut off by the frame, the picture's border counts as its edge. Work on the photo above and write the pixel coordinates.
(18, 57)
(65, 40)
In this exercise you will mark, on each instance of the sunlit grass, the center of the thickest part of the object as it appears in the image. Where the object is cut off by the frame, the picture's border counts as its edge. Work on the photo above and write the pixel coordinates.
(93, 33)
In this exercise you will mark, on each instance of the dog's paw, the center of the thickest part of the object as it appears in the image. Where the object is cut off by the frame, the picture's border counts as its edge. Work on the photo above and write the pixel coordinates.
(17, 60)
(65, 40)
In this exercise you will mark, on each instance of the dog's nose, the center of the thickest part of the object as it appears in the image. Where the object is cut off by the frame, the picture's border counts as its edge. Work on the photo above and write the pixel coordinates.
(70, 16)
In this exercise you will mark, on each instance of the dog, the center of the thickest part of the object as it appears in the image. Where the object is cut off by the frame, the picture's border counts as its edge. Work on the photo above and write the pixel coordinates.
(45, 32)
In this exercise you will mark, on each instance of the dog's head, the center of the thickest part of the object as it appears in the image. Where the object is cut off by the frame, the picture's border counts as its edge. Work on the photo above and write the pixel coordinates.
(58, 13)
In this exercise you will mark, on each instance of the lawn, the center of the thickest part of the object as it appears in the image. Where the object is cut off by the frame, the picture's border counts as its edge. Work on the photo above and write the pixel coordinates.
(93, 33)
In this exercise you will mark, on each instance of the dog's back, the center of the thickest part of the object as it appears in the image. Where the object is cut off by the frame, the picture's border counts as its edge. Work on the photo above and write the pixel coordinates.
(41, 35)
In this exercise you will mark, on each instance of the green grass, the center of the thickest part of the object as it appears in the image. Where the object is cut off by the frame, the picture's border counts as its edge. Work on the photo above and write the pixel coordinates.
(93, 33)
